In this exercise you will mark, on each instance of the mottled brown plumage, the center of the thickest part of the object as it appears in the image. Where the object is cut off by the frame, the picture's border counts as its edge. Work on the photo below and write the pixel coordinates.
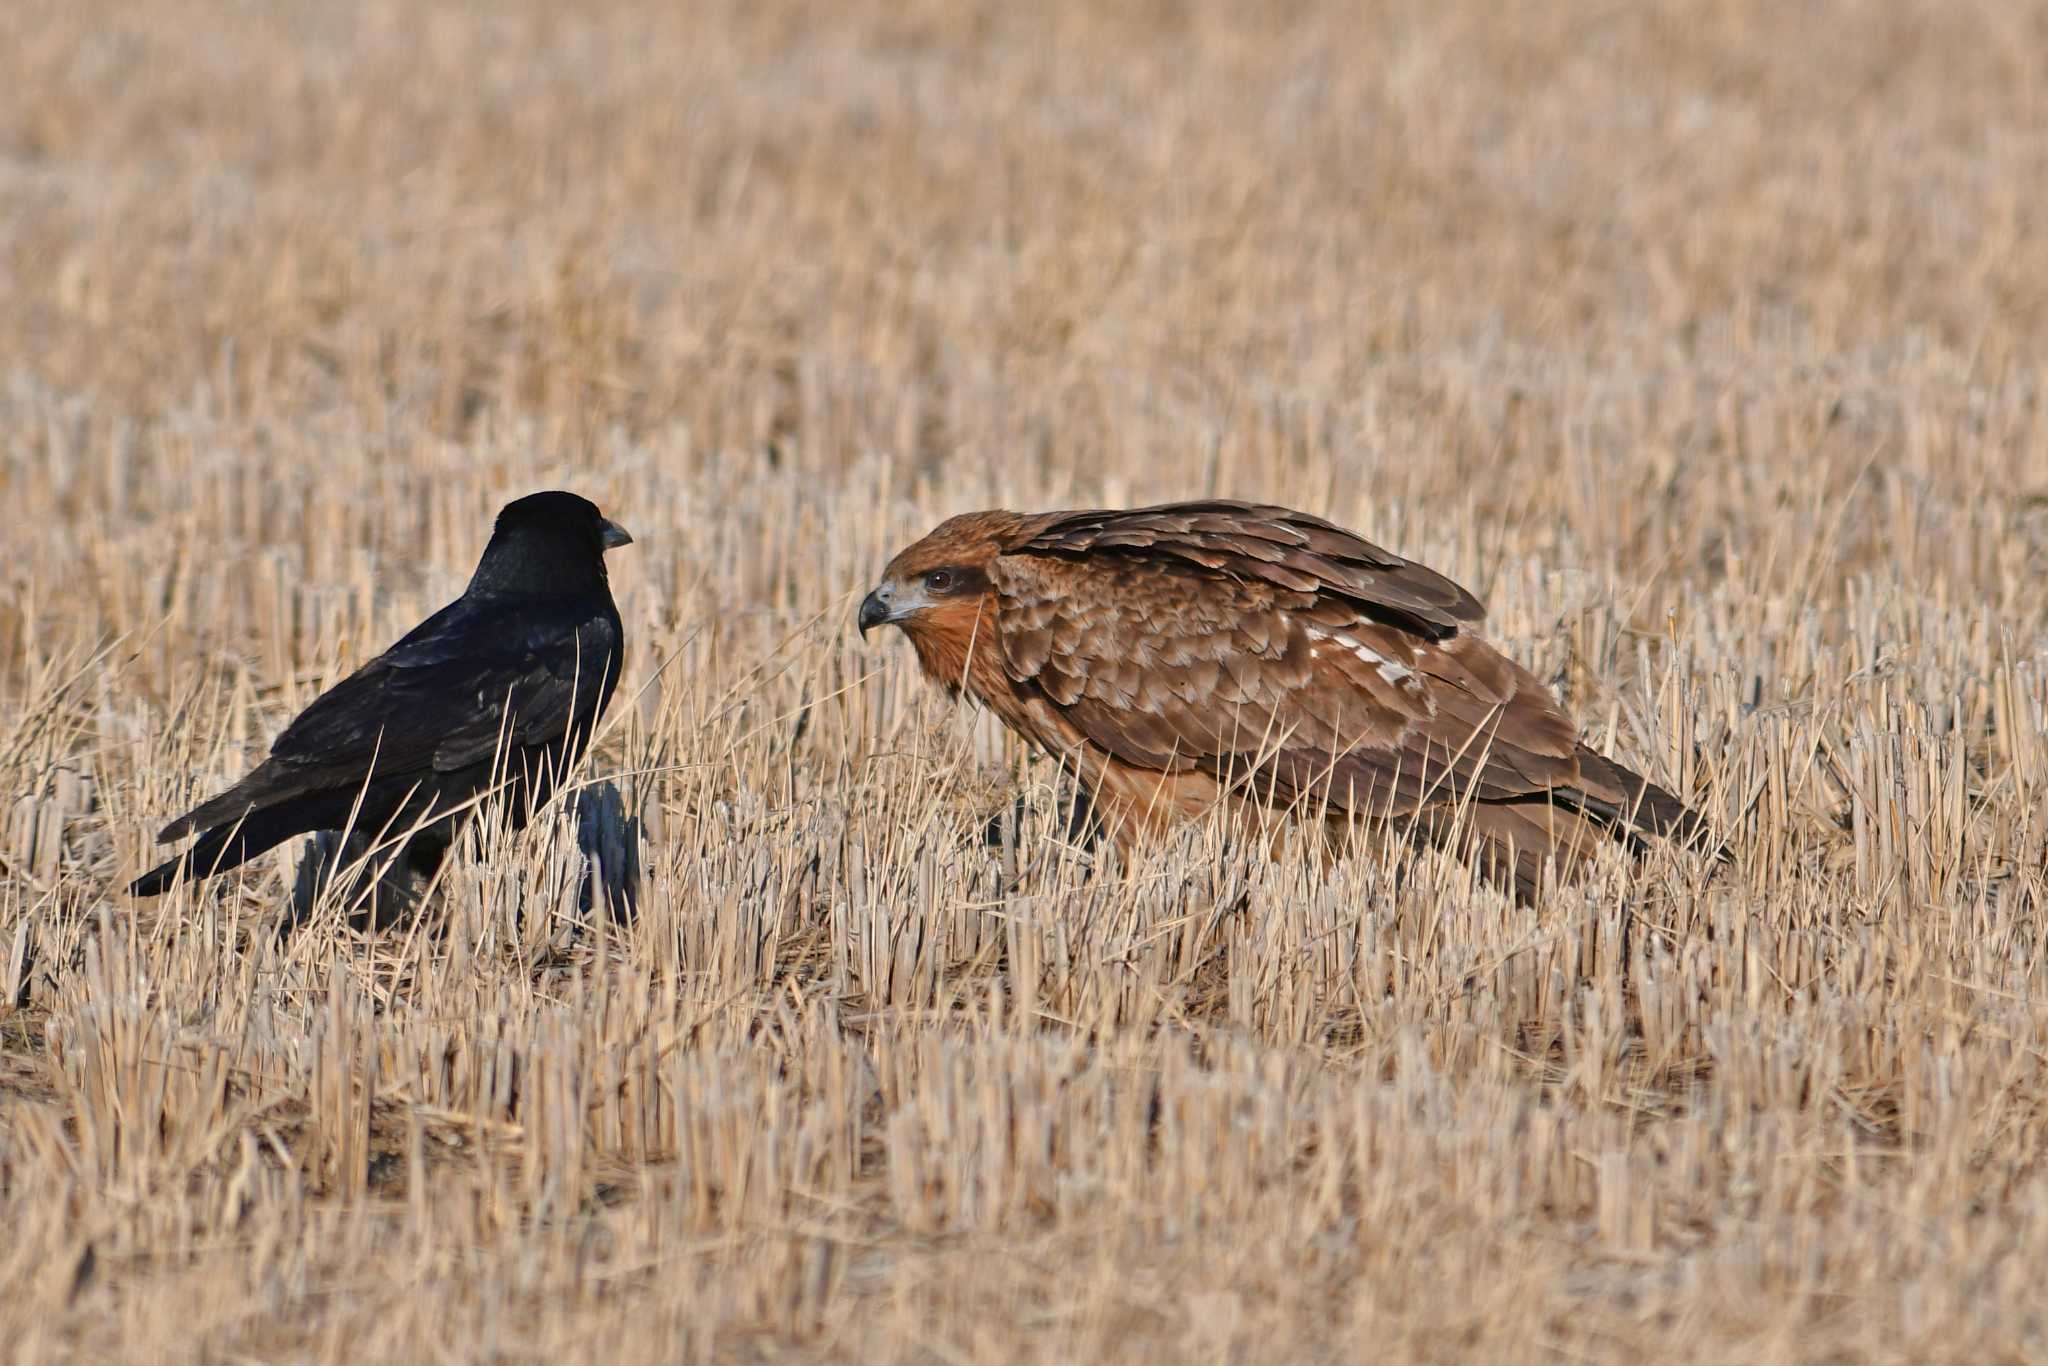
(1195, 653)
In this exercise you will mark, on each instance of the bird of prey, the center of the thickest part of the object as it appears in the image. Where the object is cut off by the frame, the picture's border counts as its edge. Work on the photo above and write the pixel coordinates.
(500, 689)
(1192, 655)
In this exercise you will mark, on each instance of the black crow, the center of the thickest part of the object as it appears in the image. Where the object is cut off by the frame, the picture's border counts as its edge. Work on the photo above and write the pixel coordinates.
(503, 686)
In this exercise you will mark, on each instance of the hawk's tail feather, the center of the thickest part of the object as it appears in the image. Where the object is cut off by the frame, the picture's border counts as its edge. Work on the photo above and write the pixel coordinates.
(1627, 801)
(1518, 835)
(1516, 839)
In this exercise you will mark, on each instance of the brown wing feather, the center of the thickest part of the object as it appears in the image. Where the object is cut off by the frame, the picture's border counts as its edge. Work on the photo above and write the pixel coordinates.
(1172, 664)
(1253, 542)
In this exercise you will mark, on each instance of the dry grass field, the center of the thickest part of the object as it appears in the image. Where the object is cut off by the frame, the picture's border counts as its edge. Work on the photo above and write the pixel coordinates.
(1707, 342)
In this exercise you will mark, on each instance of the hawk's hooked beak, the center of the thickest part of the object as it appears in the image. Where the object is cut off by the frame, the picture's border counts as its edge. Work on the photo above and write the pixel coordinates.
(613, 535)
(874, 610)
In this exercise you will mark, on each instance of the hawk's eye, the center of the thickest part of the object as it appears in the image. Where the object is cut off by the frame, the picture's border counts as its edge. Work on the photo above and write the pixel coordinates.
(939, 580)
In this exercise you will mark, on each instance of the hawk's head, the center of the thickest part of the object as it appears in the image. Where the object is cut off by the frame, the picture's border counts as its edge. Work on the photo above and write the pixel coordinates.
(941, 577)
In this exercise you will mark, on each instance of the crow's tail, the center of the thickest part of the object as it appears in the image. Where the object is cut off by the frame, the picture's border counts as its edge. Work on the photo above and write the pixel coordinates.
(216, 851)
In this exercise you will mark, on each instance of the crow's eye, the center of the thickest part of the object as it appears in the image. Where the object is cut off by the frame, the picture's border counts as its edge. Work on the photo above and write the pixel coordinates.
(939, 580)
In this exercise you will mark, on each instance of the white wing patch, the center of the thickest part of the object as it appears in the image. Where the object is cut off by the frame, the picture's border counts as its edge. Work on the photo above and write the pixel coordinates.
(1391, 671)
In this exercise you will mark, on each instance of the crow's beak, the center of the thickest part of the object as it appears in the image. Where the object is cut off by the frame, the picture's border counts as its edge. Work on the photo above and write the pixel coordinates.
(614, 535)
(874, 610)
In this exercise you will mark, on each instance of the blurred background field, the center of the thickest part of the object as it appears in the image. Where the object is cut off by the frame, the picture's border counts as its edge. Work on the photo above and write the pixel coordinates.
(1707, 342)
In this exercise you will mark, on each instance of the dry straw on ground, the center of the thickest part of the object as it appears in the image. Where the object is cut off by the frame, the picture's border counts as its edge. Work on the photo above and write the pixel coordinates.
(1704, 340)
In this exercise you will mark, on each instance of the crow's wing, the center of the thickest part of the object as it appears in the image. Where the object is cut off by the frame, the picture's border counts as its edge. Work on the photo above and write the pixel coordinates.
(470, 678)
(467, 680)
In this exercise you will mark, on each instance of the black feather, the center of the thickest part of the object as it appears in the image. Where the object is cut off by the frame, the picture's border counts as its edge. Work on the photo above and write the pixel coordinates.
(502, 687)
